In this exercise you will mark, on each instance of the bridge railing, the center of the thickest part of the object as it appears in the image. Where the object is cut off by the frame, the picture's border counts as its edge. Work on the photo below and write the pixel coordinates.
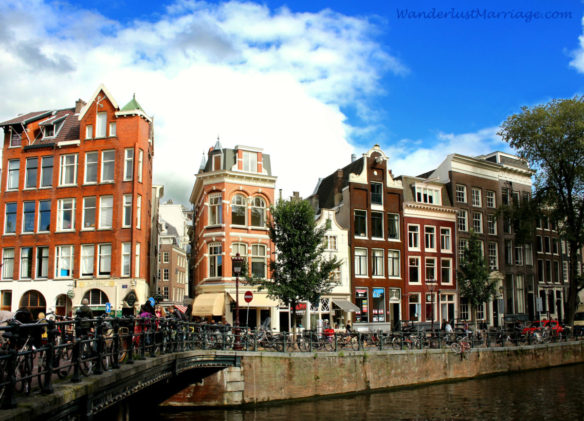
(34, 356)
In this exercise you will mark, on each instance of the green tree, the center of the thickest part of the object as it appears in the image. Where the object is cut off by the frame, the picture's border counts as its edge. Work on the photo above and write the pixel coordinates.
(473, 274)
(551, 138)
(299, 270)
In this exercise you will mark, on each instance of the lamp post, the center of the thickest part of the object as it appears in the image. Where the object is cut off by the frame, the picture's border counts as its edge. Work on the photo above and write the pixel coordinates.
(431, 284)
(237, 263)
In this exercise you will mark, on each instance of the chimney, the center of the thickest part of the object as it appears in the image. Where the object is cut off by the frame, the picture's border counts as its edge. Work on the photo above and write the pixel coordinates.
(79, 104)
(353, 157)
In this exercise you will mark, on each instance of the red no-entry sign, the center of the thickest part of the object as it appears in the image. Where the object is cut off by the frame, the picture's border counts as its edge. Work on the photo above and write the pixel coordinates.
(248, 296)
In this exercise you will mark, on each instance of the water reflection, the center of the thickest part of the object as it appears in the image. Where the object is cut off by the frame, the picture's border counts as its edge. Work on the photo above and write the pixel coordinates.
(553, 394)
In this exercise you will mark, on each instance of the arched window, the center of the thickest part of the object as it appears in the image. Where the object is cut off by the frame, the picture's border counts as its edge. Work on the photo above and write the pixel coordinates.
(34, 301)
(258, 212)
(96, 297)
(238, 210)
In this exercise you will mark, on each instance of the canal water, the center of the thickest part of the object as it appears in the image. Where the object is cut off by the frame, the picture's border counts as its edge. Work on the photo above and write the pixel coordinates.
(550, 394)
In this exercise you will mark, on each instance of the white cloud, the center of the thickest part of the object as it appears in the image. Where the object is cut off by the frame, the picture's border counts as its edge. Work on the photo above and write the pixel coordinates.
(578, 55)
(408, 157)
(268, 78)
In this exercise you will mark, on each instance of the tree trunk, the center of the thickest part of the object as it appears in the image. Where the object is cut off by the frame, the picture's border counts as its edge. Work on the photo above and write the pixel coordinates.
(474, 318)
(294, 322)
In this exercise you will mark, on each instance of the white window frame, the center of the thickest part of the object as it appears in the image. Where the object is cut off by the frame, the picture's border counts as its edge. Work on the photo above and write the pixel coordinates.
(42, 177)
(12, 229)
(428, 195)
(84, 226)
(393, 264)
(413, 237)
(93, 164)
(430, 262)
(127, 211)
(460, 194)
(139, 212)
(26, 264)
(491, 224)
(491, 199)
(113, 129)
(61, 209)
(108, 162)
(449, 267)
(88, 257)
(137, 260)
(128, 164)
(62, 260)
(477, 222)
(43, 267)
(477, 197)
(417, 259)
(493, 255)
(89, 131)
(378, 262)
(100, 125)
(380, 214)
(65, 167)
(140, 164)
(126, 261)
(397, 226)
(12, 181)
(250, 161)
(7, 264)
(462, 220)
(445, 240)
(26, 215)
(28, 176)
(106, 208)
(215, 210)
(216, 260)
(104, 259)
(40, 215)
(430, 237)
(358, 235)
(360, 262)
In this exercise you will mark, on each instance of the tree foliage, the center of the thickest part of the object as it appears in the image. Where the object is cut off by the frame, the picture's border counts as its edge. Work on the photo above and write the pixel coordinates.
(551, 138)
(299, 270)
(473, 274)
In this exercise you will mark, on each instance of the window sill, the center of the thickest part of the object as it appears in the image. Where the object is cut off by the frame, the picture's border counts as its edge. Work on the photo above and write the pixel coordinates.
(90, 183)
(105, 229)
(64, 231)
(27, 233)
(29, 189)
(88, 229)
(10, 234)
(66, 185)
(43, 232)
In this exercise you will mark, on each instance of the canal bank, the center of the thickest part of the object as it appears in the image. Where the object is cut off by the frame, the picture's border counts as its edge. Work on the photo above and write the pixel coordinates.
(268, 376)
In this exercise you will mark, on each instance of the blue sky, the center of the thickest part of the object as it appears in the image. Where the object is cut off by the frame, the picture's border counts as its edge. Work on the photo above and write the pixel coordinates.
(303, 79)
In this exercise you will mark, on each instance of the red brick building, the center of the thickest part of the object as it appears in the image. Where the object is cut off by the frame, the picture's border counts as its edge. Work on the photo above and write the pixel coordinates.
(75, 206)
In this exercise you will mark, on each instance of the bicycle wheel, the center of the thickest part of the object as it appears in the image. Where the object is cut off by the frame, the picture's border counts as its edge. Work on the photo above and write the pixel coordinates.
(25, 373)
(87, 364)
(62, 362)
(456, 347)
(353, 342)
(42, 368)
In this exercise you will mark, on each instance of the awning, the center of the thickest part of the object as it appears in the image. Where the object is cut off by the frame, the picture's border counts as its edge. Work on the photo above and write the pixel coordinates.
(346, 305)
(259, 300)
(209, 305)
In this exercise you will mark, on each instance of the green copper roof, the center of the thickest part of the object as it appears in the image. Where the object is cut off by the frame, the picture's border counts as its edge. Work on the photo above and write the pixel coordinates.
(133, 105)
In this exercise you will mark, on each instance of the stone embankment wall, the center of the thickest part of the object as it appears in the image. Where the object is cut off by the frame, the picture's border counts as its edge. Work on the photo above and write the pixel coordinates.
(269, 376)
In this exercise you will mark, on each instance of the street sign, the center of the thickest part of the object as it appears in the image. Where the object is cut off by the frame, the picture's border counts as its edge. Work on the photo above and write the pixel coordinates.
(108, 308)
(248, 296)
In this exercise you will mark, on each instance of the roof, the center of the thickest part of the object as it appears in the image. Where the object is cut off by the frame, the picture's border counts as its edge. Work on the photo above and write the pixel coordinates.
(26, 118)
(327, 187)
(69, 129)
(409, 185)
(229, 160)
(133, 105)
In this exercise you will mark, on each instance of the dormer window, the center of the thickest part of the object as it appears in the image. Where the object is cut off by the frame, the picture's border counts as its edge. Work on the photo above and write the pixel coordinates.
(15, 139)
(250, 161)
(51, 127)
(427, 195)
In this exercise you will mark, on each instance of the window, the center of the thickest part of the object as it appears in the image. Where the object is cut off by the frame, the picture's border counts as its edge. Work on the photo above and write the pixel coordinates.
(214, 210)
(87, 259)
(361, 301)
(91, 167)
(430, 238)
(330, 242)
(476, 197)
(106, 209)
(518, 254)
(66, 215)
(565, 271)
(165, 257)
(89, 131)
(547, 246)
(493, 255)
(528, 254)
(477, 222)
(491, 201)
(240, 248)
(238, 210)
(539, 244)
(427, 195)
(63, 261)
(460, 193)
(393, 264)
(360, 262)
(520, 293)
(68, 172)
(137, 261)
(491, 225)
(28, 214)
(377, 224)
(507, 228)
(108, 164)
(96, 297)
(393, 226)
(462, 246)
(377, 262)
(555, 246)
(258, 260)
(104, 264)
(100, 125)
(414, 269)
(414, 307)
(414, 236)
(126, 256)
(113, 129)
(8, 263)
(127, 214)
(47, 171)
(430, 269)
(42, 262)
(10, 218)
(215, 261)
(445, 239)
(446, 271)
(139, 212)
(44, 216)
(140, 164)
(30, 178)
(258, 212)
(166, 296)
(376, 193)
(15, 139)
(360, 223)
(166, 275)
(13, 172)
(250, 161)
(128, 164)
(462, 220)
(89, 205)
(509, 252)
(505, 196)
